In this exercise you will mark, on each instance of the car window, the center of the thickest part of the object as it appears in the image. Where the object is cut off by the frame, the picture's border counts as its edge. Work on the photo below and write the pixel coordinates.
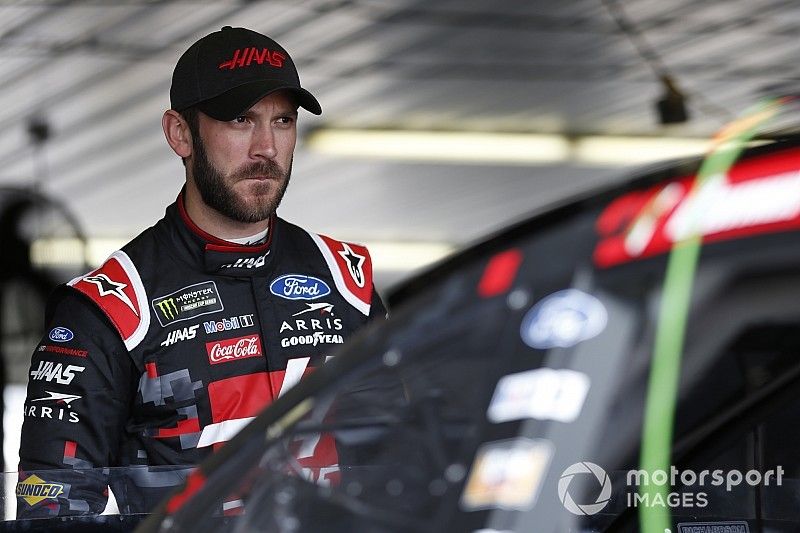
(509, 394)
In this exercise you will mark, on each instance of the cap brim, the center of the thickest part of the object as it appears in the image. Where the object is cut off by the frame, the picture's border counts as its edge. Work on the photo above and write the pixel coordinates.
(236, 101)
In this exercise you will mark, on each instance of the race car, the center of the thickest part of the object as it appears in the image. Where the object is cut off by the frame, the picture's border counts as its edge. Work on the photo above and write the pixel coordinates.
(628, 360)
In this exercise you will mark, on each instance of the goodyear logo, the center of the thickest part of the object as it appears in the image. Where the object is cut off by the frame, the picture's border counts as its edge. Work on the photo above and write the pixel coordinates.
(34, 489)
(187, 302)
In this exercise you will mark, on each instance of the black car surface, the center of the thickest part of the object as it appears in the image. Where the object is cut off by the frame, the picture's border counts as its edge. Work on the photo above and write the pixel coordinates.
(626, 361)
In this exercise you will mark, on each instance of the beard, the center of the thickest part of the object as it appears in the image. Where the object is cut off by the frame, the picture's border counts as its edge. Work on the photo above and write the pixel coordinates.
(218, 193)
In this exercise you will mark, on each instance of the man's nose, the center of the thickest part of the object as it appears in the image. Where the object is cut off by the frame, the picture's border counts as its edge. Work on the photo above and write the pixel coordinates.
(262, 145)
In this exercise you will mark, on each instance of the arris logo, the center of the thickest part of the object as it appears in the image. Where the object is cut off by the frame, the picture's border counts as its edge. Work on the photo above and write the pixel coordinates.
(299, 287)
(59, 334)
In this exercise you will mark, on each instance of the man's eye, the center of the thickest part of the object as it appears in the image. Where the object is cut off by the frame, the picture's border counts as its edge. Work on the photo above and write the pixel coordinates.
(240, 119)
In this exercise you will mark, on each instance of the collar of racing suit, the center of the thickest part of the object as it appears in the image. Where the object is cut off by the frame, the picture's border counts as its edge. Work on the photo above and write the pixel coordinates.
(217, 256)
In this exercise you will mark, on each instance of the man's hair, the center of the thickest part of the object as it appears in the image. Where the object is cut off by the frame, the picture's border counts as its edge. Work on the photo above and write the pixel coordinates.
(190, 115)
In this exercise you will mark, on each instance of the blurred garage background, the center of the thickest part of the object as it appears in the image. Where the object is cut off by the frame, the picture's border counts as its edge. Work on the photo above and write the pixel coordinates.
(442, 119)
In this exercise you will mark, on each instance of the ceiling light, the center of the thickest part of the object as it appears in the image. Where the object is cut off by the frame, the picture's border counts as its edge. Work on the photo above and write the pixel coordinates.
(614, 150)
(501, 148)
(400, 256)
(72, 252)
(440, 146)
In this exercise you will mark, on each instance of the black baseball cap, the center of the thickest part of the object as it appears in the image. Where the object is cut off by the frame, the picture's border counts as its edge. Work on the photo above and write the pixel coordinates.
(228, 71)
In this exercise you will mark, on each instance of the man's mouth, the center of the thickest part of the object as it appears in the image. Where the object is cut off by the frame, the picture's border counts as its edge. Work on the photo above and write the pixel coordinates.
(262, 177)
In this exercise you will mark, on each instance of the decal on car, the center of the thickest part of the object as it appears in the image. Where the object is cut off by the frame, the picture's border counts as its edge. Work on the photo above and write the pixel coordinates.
(563, 319)
(507, 474)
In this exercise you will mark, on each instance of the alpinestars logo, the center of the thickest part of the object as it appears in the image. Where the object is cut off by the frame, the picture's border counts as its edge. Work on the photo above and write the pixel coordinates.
(49, 371)
(106, 286)
(355, 264)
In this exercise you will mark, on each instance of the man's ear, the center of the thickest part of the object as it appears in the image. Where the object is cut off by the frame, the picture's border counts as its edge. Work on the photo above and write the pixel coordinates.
(176, 130)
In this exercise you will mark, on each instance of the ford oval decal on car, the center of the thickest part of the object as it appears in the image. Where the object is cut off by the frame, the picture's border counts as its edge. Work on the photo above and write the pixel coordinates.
(563, 319)
(59, 334)
(299, 287)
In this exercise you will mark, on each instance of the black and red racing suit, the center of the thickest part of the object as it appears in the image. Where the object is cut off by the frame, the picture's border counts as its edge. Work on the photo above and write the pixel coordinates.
(169, 348)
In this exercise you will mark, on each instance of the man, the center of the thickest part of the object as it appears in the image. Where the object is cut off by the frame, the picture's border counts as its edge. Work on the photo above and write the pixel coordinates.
(181, 337)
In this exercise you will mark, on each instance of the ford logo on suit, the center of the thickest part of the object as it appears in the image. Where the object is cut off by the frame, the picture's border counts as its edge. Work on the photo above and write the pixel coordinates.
(299, 287)
(59, 334)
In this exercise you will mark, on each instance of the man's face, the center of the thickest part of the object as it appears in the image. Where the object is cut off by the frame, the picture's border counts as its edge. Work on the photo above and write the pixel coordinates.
(242, 167)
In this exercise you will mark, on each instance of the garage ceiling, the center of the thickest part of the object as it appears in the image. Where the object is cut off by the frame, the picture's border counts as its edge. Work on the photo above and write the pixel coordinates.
(97, 74)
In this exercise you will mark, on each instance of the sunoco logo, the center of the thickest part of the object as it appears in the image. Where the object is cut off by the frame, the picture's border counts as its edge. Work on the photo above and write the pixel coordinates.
(34, 489)
(599, 474)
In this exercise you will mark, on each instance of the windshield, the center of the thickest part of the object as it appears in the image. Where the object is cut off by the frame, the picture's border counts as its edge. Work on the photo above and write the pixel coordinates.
(510, 395)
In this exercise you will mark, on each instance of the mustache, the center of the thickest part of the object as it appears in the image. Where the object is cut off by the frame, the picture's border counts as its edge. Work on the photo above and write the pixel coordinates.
(262, 168)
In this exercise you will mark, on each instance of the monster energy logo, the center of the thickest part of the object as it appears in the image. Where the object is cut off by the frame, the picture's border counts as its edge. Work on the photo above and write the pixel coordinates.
(187, 302)
(168, 308)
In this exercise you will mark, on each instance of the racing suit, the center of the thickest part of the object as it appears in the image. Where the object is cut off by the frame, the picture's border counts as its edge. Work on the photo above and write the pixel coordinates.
(169, 348)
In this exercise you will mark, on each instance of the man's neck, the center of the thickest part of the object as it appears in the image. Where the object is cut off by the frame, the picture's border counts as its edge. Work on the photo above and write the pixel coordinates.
(216, 224)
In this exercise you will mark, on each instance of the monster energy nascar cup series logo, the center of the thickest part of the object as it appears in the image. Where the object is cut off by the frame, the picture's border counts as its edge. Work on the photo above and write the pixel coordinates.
(188, 302)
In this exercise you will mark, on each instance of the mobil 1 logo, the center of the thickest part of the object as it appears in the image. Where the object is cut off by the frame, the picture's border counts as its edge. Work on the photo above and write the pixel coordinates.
(229, 323)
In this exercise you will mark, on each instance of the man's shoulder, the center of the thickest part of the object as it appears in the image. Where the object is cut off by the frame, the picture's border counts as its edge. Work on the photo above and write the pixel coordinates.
(349, 263)
(116, 288)
(144, 243)
(297, 233)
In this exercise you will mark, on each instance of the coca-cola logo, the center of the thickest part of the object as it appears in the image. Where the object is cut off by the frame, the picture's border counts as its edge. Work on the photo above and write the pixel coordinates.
(234, 349)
